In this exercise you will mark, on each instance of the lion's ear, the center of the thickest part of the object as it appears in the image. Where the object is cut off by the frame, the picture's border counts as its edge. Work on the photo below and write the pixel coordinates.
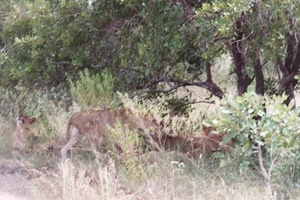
(205, 130)
(32, 120)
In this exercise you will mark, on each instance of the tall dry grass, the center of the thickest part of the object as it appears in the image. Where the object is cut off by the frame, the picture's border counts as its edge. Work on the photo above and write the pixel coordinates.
(166, 181)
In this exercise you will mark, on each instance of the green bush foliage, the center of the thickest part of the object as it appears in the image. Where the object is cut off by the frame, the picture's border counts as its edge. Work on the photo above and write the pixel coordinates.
(47, 42)
(92, 91)
(156, 46)
(251, 120)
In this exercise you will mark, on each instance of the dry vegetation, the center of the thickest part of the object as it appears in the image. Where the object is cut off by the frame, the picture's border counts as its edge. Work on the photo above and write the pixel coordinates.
(39, 174)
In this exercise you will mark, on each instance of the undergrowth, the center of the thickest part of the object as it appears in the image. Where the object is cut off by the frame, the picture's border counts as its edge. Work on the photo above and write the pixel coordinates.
(83, 176)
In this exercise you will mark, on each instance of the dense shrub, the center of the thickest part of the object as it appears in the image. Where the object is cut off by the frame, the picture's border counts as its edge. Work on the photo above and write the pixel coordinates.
(255, 121)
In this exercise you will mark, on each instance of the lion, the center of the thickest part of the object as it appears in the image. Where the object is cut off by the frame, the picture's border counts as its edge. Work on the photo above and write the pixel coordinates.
(20, 135)
(95, 124)
(210, 142)
(194, 146)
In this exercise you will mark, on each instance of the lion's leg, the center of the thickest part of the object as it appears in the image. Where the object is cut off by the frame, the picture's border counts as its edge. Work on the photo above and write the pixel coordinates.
(75, 136)
(18, 140)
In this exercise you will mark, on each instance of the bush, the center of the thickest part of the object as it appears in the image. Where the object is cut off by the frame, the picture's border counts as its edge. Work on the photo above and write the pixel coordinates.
(94, 91)
(255, 122)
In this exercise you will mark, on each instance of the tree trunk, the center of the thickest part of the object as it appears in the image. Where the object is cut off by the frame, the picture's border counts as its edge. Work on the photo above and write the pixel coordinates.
(259, 76)
(290, 69)
(238, 54)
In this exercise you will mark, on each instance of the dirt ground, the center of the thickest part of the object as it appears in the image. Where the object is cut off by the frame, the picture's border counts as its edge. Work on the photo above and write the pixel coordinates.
(19, 182)
(6, 196)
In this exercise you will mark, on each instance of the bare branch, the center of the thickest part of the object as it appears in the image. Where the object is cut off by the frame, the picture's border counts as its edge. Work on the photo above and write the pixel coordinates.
(266, 175)
(210, 86)
(165, 91)
(196, 102)
(208, 72)
(261, 165)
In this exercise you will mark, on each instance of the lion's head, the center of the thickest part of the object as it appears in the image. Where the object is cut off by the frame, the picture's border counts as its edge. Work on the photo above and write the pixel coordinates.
(207, 143)
(211, 141)
(23, 124)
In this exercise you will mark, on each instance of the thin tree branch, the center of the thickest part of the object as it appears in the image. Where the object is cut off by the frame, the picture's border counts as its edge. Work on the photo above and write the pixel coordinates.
(208, 72)
(208, 85)
(266, 175)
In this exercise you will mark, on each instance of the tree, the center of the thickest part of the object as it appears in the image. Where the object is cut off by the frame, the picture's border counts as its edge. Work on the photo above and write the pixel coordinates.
(154, 46)
(258, 34)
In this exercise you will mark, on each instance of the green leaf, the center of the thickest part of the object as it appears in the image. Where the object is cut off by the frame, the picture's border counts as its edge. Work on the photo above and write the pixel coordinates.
(223, 163)
(218, 155)
(227, 138)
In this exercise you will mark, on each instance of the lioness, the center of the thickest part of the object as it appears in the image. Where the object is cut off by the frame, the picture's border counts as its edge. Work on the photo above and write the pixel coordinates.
(96, 123)
(207, 143)
(210, 142)
(23, 123)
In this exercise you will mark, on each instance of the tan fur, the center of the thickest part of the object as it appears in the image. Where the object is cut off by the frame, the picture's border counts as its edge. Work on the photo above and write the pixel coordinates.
(207, 143)
(182, 147)
(94, 124)
(20, 135)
